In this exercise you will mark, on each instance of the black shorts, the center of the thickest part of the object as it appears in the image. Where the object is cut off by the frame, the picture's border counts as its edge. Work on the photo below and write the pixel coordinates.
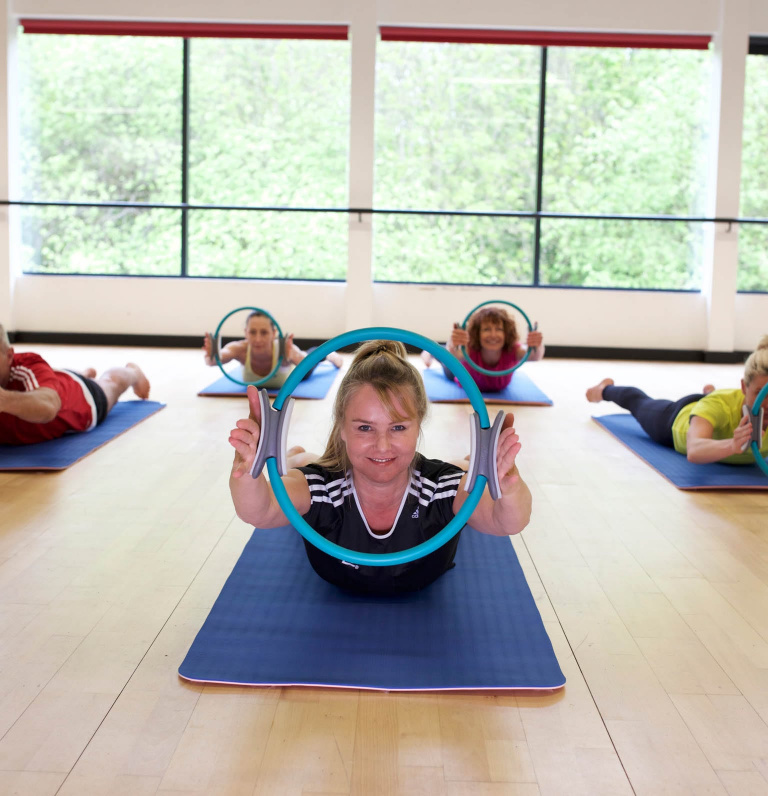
(98, 395)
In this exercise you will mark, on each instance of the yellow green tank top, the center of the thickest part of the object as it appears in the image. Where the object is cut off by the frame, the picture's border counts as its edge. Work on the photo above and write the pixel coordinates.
(722, 408)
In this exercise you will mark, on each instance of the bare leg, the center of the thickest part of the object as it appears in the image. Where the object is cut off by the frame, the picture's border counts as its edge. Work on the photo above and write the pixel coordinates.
(335, 359)
(595, 394)
(298, 457)
(116, 381)
(427, 358)
(708, 388)
(89, 373)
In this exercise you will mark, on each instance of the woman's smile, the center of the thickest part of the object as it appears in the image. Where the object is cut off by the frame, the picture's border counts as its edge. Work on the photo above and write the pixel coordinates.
(376, 442)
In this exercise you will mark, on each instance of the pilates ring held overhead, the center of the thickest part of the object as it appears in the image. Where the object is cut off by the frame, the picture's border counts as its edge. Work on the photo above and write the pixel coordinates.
(756, 416)
(469, 363)
(216, 345)
(274, 430)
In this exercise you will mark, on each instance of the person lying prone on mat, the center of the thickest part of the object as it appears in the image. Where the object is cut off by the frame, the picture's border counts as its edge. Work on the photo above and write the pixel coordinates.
(492, 341)
(710, 426)
(371, 491)
(259, 351)
(38, 403)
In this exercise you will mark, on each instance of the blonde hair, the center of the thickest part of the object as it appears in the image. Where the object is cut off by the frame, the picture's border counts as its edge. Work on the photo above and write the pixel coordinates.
(383, 365)
(757, 361)
(5, 343)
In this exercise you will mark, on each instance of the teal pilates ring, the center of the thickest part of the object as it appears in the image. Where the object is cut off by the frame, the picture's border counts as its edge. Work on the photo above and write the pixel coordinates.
(217, 346)
(479, 368)
(473, 498)
(755, 411)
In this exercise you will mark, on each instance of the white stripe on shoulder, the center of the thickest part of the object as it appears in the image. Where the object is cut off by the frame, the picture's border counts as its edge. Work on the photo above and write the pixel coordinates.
(333, 492)
(26, 376)
(428, 491)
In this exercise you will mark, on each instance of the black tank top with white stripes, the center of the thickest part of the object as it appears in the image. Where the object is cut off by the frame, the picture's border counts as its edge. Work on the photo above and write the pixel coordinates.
(426, 509)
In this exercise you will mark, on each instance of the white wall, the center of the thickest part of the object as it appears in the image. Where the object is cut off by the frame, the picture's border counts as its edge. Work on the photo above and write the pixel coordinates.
(716, 319)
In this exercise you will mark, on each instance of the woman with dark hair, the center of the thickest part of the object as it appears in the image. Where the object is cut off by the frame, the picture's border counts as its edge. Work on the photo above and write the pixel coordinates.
(492, 341)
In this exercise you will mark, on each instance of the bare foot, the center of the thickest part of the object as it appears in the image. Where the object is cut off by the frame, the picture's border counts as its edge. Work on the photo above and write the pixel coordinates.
(335, 359)
(141, 382)
(595, 394)
(708, 388)
(427, 358)
(299, 457)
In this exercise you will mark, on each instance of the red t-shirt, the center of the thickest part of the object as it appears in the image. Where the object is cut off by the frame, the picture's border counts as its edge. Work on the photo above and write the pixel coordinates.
(77, 413)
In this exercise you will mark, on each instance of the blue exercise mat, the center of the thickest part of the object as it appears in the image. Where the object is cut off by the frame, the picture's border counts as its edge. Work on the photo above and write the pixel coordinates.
(276, 622)
(58, 454)
(674, 466)
(521, 390)
(316, 386)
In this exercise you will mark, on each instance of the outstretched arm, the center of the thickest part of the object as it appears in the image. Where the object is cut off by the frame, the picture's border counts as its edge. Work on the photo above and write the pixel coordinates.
(702, 449)
(254, 500)
(459, 337)
(512, 511)
(293, 353)
(36, 406)
(230, 351)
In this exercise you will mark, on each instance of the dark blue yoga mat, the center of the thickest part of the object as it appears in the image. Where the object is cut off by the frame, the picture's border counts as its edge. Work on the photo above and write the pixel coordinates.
(316, 386)
(674, 466)
(278, 623)
(58, 454)
(521, 390)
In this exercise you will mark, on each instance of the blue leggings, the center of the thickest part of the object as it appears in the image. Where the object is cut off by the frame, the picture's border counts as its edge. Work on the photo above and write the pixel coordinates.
(655, 416)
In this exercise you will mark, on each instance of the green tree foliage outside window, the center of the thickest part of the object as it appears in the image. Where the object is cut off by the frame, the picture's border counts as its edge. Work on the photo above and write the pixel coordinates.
(265, 131)
(102, 121)
(625, 134)
(753, 239)
(457, 128)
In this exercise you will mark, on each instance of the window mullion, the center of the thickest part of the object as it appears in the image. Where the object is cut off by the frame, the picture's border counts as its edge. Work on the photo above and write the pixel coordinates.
(540, 165)
(184, 154)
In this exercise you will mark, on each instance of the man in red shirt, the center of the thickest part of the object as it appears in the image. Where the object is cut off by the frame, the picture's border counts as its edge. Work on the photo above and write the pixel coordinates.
(39, 403)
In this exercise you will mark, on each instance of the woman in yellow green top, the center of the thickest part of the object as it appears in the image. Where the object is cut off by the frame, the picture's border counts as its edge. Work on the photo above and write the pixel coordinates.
(712, 426)
(259, 351)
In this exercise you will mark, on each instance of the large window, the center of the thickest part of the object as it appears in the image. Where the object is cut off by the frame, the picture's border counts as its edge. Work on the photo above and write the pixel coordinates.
(624, 135)
(753, 238)
(107, 119)
(521, 129)
(535, 160)
(456, 129)
(100, 121)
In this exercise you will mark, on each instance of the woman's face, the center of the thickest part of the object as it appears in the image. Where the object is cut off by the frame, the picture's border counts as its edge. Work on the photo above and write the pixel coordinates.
(750, 395)
(260, 334)
(379, 449)
(492, 335)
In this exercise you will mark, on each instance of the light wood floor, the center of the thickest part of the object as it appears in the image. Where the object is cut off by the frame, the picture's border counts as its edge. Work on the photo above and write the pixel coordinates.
(656, 601)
